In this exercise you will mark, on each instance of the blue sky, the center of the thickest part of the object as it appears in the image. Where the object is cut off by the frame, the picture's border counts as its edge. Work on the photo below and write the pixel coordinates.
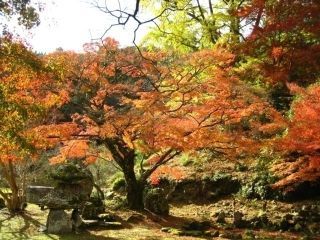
(71, 23)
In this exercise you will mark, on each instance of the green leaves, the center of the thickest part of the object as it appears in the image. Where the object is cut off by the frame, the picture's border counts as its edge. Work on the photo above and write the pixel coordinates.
(27, 13)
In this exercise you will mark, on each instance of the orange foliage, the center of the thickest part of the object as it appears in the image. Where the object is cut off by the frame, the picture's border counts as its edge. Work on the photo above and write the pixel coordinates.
(303, 138)
(135, 104)
(166, 171)
(28, 92)
(285, 36)
(74, 149)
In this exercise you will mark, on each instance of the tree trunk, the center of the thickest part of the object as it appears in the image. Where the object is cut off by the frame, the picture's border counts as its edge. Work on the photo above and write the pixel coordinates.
(134, 187)
(234, 20)
(125, 156)
(135, 194)
(15, 203)
(13, 200)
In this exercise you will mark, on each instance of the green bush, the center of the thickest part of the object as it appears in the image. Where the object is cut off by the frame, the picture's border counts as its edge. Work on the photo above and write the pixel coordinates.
(118, 184)
(116, 203)
(218, 176)
(259, 187)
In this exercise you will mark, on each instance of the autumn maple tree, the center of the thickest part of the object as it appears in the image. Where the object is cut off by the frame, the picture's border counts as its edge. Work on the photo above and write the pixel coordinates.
(161, 106)
(25, 100)
(301, 144)
(284, 40)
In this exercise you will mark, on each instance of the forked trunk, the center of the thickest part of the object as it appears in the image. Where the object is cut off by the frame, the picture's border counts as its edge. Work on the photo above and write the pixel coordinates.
(13, 200)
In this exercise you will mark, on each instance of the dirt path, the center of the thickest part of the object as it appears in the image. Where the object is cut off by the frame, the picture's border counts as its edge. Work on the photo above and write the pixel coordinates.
(136, 226)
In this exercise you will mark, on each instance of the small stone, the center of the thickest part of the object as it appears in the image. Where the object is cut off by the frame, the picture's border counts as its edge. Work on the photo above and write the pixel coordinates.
(90, 223)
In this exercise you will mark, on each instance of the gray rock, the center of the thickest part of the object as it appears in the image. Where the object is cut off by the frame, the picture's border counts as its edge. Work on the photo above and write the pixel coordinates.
(59, 200)
(59, 222)
(70, 173)
(74, 186)
(34, 194)
(42, 229)
(209, 188)
(90, 223)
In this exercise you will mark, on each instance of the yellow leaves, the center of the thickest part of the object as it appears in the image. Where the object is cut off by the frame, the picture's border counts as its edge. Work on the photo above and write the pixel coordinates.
(28, 91)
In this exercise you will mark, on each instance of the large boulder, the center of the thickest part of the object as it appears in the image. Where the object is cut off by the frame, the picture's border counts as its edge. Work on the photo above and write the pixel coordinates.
(155, 201)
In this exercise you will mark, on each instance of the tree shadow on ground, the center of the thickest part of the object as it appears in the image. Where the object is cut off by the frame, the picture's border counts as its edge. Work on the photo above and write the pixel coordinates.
(9, 226)
(28, 220)
(167, 221)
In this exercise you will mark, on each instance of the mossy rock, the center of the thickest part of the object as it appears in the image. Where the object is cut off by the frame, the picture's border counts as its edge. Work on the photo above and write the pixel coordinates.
(70, 173)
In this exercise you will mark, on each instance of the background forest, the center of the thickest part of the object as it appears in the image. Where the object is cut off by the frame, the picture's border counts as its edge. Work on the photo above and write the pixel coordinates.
(219, 94)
